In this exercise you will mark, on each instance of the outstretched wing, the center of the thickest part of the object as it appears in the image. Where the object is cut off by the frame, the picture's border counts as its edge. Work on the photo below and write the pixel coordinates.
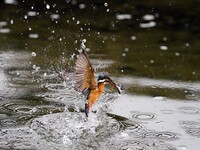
(84, 73)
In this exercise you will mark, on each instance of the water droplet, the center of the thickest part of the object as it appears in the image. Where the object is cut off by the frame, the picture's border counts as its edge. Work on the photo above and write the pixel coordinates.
(32, 13)
(55, 16)
(177, 54)
(10, 1)
(123, 54)
(148, 17)
(126, 49)
(163, 47)
(11, 21)
(34, 66)
(123, 16)
(133, 38)
(193, 72)
(47, 6)
(151, 61)
(5, 30)
(84, 41)
(165, 39)
(187, 44)
(73, 2)
(3, 23)
(25, 17)
(106, 4)
(33, 54)
(148, 24)
(82, 6)
(33, 36)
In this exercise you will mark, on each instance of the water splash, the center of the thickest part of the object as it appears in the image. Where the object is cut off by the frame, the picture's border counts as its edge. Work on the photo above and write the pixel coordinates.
(74, 130)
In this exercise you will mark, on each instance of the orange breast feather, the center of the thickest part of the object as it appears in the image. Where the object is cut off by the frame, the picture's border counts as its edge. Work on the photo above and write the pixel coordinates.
(94, 94)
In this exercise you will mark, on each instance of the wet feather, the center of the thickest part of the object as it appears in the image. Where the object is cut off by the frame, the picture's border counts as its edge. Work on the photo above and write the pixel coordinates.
(84, 73)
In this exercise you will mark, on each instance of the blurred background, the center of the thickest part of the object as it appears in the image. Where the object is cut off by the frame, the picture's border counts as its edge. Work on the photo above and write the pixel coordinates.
(152, 47)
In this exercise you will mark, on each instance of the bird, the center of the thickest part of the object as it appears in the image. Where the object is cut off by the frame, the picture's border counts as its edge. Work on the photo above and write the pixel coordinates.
(87, 84)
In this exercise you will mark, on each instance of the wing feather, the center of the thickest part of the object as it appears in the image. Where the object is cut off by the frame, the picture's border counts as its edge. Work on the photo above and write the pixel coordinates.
(84, 73)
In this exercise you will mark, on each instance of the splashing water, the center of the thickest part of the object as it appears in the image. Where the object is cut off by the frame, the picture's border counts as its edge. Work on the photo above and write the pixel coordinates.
(74, 130)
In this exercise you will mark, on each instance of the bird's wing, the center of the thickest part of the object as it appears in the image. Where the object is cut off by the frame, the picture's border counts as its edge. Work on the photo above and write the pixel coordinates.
(84, 73)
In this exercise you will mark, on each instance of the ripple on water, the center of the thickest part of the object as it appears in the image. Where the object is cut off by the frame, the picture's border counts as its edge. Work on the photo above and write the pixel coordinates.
(8, 122)
(157, 135)
(182, 147)
(189, 110)
(191, 127)
(133, 142)
(164, 146)
(167, 136)
(132, 127)
(150, 135)
(143, 116)
(193, 132)
(19, 112)
(30, 106)
(55, 87)
(167, 111)
(24, 118)
(129, 144)
(18, 106)
(24, 109)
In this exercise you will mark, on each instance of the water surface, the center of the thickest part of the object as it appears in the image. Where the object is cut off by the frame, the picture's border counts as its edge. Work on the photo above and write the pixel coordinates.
(151, 48)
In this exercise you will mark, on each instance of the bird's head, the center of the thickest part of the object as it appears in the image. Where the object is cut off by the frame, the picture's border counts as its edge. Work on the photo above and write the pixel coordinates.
(105, 78)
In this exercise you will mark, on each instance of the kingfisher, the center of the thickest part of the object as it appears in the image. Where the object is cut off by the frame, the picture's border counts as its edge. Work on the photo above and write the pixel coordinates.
(87, 84)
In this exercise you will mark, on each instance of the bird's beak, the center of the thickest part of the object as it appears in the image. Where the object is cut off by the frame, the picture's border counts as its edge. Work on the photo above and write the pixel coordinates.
(114, 84)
